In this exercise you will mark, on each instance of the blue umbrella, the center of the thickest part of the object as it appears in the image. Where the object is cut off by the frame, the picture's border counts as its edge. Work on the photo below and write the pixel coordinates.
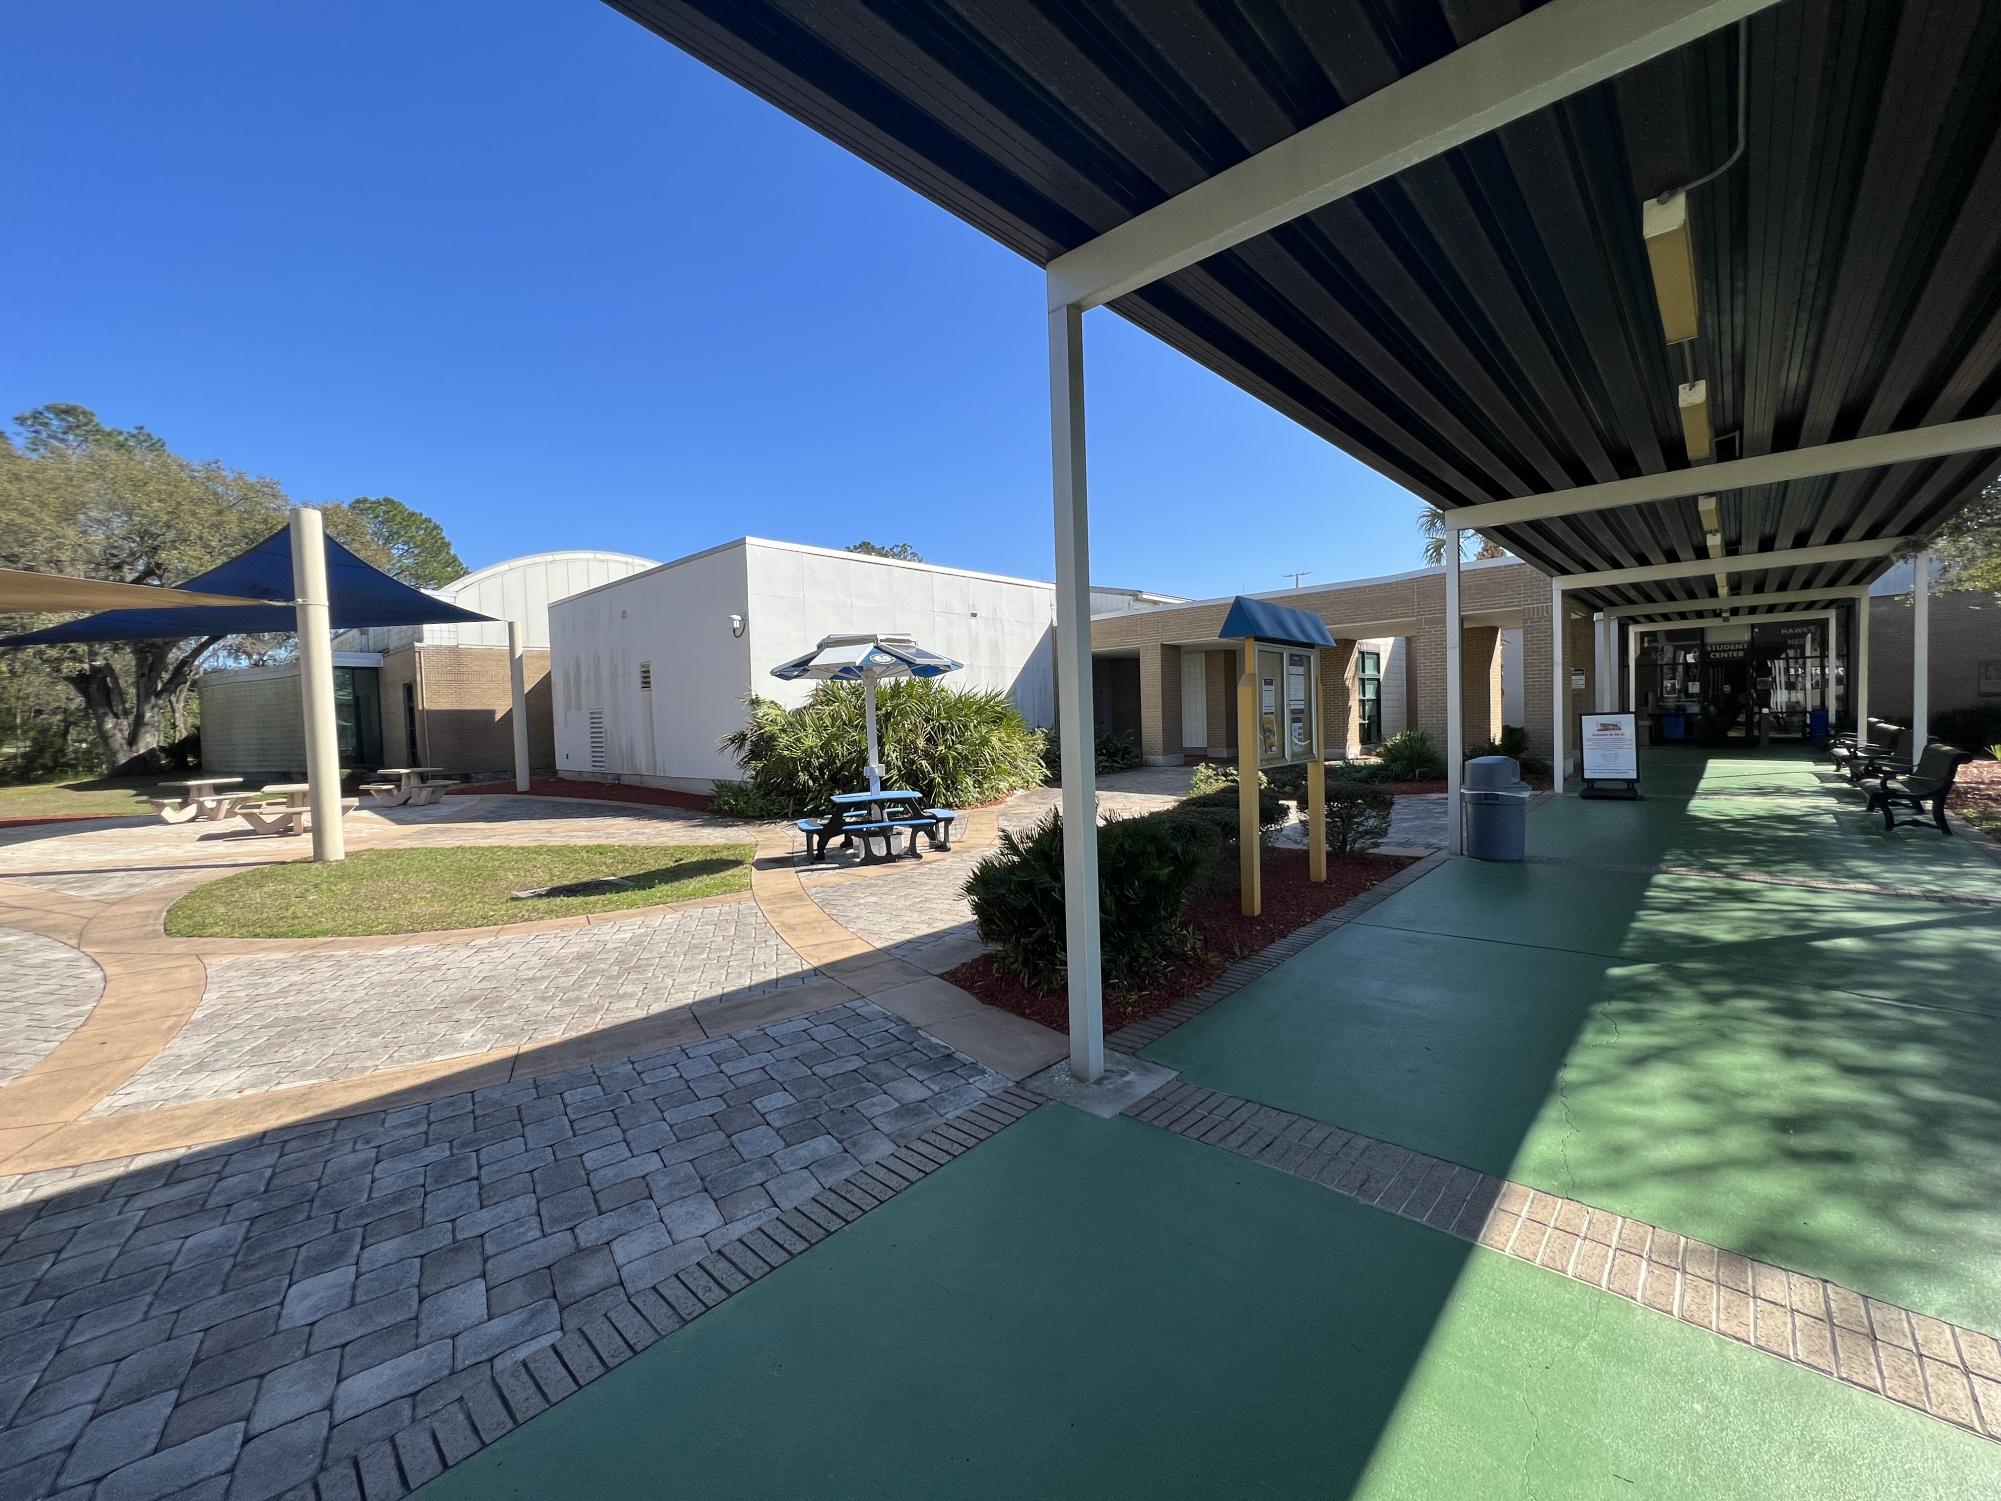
(866, 660)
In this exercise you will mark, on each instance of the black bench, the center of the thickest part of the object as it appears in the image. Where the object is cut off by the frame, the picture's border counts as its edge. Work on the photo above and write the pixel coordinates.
(1927, 784)
(1863, 759)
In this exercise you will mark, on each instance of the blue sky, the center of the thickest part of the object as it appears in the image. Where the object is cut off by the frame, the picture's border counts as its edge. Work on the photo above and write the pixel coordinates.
(531, 269)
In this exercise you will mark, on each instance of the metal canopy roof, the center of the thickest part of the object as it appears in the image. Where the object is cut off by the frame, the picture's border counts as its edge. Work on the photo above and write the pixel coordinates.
(1483, 325)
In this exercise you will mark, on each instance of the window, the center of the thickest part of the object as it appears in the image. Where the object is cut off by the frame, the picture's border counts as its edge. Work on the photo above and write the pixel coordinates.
(1369, 695)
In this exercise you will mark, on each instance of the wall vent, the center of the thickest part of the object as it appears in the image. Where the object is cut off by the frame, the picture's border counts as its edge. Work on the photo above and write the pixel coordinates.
(645, 677)
(597, 740)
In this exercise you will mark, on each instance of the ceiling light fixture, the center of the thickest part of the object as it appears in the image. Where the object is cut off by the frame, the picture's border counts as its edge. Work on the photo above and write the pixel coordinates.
(1671, 256)
(1693, 399)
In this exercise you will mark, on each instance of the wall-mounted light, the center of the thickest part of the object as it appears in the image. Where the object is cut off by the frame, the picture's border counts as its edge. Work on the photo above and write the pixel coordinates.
(1693, 400)
(737, 624)
(1671, 256)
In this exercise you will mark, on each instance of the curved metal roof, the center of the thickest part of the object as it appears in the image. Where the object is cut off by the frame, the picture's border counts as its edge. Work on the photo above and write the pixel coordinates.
(1483, 325)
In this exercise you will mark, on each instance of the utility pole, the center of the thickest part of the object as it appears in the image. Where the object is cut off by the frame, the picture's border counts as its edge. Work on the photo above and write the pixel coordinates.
(1296, 577)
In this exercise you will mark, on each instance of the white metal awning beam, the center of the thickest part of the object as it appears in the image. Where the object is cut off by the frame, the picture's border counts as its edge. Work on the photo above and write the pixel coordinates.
(1547, 55)
(1939, 441)
(1749, 562)
(1741, 602)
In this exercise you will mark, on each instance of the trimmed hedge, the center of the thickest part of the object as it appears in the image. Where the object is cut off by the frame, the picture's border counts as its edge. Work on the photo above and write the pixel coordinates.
(952, 749)
(1146, 869)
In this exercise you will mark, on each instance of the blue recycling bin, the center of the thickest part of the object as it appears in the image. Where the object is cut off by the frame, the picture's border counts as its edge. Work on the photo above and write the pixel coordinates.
(1817, 727)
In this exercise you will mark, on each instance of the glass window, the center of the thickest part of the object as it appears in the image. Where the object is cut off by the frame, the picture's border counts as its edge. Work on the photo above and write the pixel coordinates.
(358, 716)
(1369, 695)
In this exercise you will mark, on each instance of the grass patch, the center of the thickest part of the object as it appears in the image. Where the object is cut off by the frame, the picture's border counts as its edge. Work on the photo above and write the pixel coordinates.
(464, 886)
(97, 797)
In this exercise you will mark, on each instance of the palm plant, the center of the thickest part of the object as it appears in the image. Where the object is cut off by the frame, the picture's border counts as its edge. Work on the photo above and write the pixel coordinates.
(1431, 523)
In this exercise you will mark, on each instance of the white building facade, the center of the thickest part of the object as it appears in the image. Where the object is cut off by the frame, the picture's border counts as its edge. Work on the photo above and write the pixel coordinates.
(650, 672)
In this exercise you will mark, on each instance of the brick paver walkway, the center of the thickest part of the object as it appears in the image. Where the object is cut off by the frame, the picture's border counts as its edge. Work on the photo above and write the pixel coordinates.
(270, 1306)
(264, 1023)
(47, 990)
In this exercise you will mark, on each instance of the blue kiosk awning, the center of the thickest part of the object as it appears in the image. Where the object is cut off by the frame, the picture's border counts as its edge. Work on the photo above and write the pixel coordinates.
(358, 594)
(1280, 624)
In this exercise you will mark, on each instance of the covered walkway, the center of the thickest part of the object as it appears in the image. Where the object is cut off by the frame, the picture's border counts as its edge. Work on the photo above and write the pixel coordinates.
(1651, 1166)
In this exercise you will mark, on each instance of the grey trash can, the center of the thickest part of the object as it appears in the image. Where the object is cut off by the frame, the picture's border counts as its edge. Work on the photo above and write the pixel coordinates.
(1497, 808)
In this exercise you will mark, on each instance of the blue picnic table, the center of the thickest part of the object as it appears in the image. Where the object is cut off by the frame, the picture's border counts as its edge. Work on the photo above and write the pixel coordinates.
(876, 818)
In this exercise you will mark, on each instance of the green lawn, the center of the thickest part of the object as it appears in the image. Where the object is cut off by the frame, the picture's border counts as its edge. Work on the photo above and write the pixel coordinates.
(468, 886)
(100, 797)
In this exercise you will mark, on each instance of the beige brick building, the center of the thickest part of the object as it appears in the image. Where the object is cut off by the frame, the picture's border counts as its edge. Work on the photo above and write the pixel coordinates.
(1163, 676)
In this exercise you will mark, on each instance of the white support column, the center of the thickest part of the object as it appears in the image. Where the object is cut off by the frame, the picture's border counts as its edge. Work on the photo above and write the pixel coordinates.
(517, 682)
(1833, 655)
(1632, 670)
(1601, 663)
(1559, 684)
(1455, 707)
(1921, 653)
(1073, 692)
(1859, 686)
(316, 685)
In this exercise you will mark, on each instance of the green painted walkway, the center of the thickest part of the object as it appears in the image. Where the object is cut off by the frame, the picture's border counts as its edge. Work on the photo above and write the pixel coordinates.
(1098, 1309)
(1809, 1077)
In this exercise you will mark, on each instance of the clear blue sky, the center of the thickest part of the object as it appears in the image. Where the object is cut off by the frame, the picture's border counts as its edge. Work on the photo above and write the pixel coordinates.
(531, 269)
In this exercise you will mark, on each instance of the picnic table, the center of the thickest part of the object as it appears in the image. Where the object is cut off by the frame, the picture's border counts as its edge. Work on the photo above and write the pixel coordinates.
(285, 807)
(201, 799)
(412, 787)
(877, 817)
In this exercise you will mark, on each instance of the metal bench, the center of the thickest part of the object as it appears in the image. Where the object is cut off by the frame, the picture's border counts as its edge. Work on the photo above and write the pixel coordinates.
(1925, 785)
(1864, 759)
(885, 829)
(942, 820)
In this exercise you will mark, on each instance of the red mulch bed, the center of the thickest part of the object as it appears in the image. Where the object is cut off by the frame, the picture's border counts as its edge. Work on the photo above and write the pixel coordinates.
(40, 818)
(614, 792)
(1291, 901)
(1976, 794)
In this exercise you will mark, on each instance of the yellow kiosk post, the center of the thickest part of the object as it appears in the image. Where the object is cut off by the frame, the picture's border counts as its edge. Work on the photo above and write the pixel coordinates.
(1250, 864)
(1278, 724)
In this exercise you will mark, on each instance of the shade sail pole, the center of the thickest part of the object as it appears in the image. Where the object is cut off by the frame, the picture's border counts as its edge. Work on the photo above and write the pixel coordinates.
(517, 687)
(874, 741)
(1074, 718)
(316, 685)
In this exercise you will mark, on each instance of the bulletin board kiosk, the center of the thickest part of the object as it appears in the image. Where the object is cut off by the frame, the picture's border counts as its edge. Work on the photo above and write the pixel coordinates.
(1278, 724)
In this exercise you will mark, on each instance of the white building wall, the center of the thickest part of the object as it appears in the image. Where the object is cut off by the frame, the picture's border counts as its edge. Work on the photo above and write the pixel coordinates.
(677, 619)
(518, 589)
(1396, 685)
(1001, 628)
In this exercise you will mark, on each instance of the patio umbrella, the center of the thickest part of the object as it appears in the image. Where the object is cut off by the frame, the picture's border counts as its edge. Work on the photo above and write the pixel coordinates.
(866, 660)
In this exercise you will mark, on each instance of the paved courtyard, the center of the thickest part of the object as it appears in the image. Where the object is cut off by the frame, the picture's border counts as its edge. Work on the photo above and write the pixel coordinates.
(1692, 1193)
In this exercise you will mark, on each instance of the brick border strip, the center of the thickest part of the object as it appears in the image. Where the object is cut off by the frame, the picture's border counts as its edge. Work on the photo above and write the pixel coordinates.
(1952, 1373)
(1140, 1034)
(503, 1400)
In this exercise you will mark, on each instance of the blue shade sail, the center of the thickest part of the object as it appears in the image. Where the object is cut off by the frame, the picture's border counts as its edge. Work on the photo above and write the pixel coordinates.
(358, 594)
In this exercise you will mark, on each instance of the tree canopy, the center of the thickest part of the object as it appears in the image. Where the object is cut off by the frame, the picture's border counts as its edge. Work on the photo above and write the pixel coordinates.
(1431, 523)
(419, 553)
(903, 552)
(1969, 545)
(92, 501)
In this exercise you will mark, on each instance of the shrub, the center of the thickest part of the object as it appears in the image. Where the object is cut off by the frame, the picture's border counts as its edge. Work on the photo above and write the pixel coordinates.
(1357, 771)
(1358, 816)
(1115, 752)
(1112, 750)
(1410, 757)
(1514, 742)
(1968, 727)
(952, 749)
(1146, 868)
(1215, 787)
